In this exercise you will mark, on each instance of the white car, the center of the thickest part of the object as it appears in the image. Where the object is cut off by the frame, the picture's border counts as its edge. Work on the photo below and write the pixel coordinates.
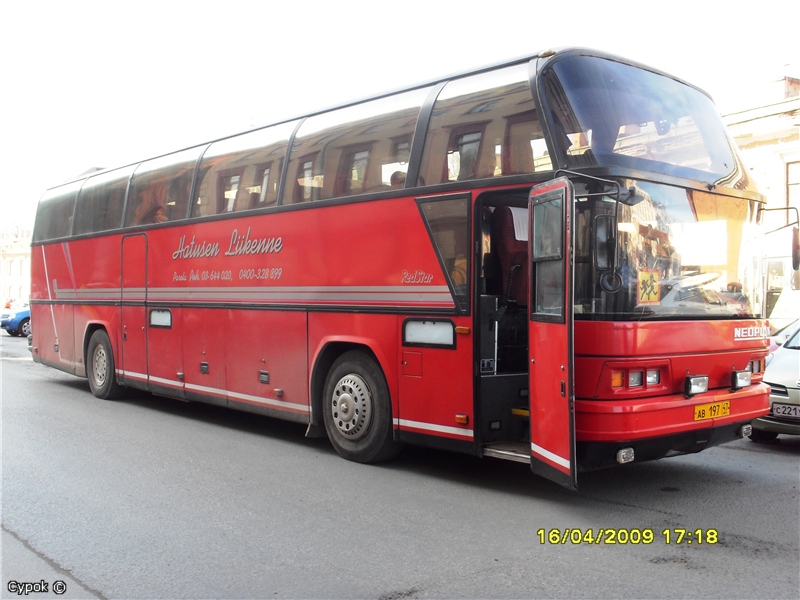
(783, 376)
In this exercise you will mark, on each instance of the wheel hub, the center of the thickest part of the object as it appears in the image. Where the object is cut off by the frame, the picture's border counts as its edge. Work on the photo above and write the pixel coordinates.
(351, 406)
(100, 366)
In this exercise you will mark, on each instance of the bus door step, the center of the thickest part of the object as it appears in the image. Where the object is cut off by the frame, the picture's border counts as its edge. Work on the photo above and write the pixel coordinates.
(520, 424)
(516, 451)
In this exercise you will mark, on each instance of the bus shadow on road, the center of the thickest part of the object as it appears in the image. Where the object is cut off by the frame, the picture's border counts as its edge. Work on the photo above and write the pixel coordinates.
(641, 483)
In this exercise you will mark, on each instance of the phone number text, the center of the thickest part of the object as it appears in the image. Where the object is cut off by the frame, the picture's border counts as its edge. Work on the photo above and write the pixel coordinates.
(274, 273)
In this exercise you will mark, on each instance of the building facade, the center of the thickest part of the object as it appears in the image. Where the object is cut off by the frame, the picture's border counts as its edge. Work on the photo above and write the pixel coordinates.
(15, 266)
(769, 139)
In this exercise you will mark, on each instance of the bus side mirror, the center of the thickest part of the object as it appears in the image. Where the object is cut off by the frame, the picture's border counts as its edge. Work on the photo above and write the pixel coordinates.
(605, 252)
(605, 242)
(796, 248)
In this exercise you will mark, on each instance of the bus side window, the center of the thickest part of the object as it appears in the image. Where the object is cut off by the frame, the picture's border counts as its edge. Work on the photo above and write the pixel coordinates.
(54, 213)
(160, 189)
(484, 126)
(354, 150)
(242, 172)
(100, 202)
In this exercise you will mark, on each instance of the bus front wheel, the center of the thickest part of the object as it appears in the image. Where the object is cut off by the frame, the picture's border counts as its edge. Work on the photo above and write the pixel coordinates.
(357, 410)
(100, 367)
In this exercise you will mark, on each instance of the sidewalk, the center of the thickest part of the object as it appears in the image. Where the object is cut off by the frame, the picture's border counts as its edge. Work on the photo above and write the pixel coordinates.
(21, 564)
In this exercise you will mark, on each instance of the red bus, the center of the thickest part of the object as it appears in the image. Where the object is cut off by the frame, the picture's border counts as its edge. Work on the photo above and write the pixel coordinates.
(524, 261)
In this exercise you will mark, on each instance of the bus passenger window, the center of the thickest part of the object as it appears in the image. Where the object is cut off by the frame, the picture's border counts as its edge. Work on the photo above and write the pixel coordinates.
(100, 202)
(354, 150)
(241, 172)
(484, 126)
(54, 215)
(160, 189)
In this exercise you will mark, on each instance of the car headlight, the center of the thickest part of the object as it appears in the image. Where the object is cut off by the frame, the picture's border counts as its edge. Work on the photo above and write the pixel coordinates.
(12, 316)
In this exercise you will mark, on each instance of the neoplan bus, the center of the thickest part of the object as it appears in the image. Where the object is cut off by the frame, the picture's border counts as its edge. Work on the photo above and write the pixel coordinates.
(520, 262)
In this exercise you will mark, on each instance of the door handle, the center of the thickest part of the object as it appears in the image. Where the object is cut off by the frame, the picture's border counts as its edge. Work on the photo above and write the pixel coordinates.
(564, 389)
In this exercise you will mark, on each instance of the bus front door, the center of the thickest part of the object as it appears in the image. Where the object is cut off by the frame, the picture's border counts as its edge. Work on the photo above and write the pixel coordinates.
(133, 311)
(550, 332)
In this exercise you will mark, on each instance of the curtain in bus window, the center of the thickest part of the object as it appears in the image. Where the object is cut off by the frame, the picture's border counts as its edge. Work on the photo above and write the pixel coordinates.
(484, 126)
(160, 189)
(354, 150)
(54, 212)
(448, 222)
(242, 172)
(101, 202)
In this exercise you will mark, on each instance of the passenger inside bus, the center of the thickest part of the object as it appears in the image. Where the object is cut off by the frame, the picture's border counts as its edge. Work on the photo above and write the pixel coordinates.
(398, 179)
(152, 207)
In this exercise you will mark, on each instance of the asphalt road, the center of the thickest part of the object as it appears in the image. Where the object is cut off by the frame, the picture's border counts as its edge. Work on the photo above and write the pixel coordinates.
(153, 498)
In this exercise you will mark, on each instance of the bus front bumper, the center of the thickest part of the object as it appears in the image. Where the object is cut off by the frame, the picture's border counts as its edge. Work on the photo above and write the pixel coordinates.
(662, 426)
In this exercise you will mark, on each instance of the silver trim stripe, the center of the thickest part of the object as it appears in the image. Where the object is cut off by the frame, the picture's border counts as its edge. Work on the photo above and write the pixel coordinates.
(302, 408)
(468, 433)
(290, 294)
(550, 456)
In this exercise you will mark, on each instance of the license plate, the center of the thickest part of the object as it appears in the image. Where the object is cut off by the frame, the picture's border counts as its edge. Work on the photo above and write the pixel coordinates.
(786, 411)
(712, 410)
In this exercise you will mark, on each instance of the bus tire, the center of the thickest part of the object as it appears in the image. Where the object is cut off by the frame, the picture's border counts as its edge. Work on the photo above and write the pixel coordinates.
(358, 411)
(100, 368)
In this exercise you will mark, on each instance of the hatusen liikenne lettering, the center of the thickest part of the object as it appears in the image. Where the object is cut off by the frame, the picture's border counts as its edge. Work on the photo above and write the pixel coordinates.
(239, 245)
(242, 244)
(195, 250)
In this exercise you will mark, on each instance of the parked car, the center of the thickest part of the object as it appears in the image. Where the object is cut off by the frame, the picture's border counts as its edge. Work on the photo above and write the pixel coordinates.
(783, 334)
(16, 321)
(783, 376)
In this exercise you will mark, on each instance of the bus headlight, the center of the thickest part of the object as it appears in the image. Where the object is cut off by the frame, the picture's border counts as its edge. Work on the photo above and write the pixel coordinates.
(695, 384)
(741, 379)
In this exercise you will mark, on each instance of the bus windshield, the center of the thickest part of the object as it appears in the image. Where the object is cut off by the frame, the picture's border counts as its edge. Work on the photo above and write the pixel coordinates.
(611, 114)
(679, 254)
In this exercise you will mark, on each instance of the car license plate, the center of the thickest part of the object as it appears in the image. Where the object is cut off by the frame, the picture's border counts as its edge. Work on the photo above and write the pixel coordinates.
(786, 411)
(712, 410)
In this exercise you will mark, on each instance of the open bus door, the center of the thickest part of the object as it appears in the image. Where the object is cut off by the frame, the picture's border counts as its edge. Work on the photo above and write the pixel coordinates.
(550, 336)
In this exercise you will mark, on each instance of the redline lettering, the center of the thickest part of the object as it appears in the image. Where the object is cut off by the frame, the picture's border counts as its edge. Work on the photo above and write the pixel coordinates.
(195, 250)
(417, 276)
(242, 244)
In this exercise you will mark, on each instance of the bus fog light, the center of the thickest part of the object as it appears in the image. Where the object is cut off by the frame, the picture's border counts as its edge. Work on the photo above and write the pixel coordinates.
(695, 384)
(653, 377)
(625, 456)
(745, 431)
(635, 378)
(741, 379)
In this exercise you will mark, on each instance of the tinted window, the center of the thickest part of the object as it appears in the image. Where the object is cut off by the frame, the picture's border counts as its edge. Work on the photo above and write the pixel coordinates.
(484, 126)
(101, 202)
(160, 189)
(242, 172)
(448, 222)
(608, 113)
(354, 150)
(54, 213)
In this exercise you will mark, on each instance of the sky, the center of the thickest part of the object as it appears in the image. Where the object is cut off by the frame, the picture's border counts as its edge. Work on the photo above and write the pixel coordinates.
(102, 84)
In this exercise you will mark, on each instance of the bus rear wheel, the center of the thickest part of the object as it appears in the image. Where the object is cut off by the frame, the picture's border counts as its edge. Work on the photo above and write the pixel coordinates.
(100, 367)
(357, 410)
